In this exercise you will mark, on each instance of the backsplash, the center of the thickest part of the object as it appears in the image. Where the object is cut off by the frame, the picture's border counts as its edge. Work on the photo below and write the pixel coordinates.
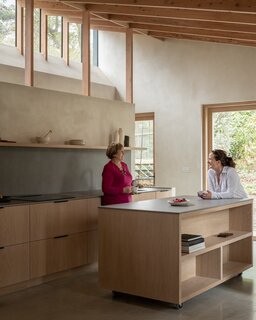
(40, 171)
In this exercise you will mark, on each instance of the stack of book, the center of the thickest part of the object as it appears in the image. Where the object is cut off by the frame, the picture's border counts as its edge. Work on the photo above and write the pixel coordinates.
(192, 242)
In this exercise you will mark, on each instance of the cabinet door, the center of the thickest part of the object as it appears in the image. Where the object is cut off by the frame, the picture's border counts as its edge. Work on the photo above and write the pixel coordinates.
(93, 205)
(143, 196)
(48, 220)
(14, 225)
(14, 266)
(58, 254)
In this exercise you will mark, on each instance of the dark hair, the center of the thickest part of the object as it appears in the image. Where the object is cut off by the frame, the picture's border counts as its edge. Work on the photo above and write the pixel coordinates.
(225, 160)
(112, 149)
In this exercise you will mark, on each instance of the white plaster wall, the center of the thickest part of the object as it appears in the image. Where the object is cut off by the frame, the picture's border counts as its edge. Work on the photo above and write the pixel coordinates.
(27, 112)
(174, 79)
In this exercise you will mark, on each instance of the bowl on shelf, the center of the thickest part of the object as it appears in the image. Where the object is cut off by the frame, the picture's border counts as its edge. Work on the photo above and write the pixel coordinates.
(77, 142)
(43, 139)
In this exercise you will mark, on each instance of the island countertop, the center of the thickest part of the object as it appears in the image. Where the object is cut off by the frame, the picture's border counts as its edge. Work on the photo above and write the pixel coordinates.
(163, 206)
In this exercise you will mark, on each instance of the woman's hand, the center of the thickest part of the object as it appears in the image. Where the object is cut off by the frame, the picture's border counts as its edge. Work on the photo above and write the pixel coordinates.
(206, 195)
(127, 189)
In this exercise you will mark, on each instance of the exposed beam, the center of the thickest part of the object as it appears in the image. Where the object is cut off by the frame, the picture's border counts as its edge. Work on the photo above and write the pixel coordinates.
(214, 25)
(174, 36)
(86, 53)
(29, 46)
(44, 33)
(174, 13)
(129, 66)
(54, 5)
(66, 40)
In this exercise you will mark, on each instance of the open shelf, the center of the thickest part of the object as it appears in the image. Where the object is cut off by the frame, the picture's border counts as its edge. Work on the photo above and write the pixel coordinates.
(213, 242)
(62, 146)
(233, 268)
(196, 285)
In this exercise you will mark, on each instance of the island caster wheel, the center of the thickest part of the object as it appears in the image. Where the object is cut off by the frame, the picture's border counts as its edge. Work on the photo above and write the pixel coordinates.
(176, 306)
(240, 274)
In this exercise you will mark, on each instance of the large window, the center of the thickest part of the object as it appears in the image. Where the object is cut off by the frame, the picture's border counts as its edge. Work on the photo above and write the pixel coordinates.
(7, 22)
(232, 128)
(75, 41)
(144, 159)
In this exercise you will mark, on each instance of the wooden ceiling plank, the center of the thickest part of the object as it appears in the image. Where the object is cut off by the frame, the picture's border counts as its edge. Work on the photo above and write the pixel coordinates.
(201, 38)
(193, 31)
(52, 5)
(174, 13)
(227, 5)
(214, 25)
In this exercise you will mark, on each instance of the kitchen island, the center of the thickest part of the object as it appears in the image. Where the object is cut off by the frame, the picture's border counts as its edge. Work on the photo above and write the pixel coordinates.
(140, 246)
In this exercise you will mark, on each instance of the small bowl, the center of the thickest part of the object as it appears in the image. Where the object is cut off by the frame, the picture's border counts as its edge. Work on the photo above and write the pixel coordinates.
(43, 139)
(79, 142)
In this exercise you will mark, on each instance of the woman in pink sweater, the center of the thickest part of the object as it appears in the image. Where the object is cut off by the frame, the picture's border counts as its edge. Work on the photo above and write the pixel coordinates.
(116, 177)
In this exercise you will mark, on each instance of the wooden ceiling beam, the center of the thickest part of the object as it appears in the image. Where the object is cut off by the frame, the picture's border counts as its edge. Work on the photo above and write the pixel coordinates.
(194, 31)
(174, 13)
(49, 5)
(225, 5)
(214, 25)
(162, 35)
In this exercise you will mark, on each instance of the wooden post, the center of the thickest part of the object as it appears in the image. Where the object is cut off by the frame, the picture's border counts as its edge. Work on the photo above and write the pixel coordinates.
(129, 65)
(86, 53)
(66, 40)
(29, 46)
(44, 33)
(20, 27)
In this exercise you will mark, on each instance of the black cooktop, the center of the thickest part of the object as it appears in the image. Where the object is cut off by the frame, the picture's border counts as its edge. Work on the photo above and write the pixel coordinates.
(43, 197)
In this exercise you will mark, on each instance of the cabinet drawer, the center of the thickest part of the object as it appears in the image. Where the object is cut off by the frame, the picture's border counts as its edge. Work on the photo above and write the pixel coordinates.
(48, 220)
(58, 254)
(14, 225)
(14, 266)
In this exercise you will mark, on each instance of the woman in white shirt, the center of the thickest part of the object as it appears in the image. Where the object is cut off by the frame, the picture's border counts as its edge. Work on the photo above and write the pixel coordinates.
(223, 180)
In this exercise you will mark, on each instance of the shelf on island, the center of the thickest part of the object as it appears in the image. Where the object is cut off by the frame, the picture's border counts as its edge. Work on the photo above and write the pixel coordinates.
(62, 146)
(196, 285)
(233, 268)
(213, 242)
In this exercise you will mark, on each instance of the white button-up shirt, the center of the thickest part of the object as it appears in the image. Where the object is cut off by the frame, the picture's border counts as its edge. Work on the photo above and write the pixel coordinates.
(229, 185)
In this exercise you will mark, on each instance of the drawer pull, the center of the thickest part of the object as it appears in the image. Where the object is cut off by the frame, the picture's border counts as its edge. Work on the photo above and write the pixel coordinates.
(1, 247)
(63, 236)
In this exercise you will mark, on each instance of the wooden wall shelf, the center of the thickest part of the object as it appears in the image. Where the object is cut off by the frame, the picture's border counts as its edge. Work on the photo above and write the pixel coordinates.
(60, 146)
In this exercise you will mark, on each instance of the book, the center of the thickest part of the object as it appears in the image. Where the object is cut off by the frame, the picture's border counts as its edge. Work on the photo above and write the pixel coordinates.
(190, 237)
(192, 242)
(189, 249)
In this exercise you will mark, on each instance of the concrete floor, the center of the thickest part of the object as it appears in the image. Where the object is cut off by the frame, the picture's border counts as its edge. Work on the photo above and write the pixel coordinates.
(80, 297)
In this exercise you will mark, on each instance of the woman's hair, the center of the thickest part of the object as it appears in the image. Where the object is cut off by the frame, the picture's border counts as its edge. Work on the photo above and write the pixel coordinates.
(112, 149)
(221, 155)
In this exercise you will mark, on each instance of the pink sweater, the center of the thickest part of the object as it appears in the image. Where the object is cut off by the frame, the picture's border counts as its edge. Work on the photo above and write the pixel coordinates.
(113, 182)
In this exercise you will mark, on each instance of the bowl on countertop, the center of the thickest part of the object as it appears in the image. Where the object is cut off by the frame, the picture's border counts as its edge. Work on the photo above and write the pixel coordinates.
(77, 142)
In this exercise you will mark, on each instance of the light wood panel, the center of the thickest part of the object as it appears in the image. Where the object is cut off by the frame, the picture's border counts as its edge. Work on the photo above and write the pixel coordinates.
(86, 53)
(139, 253)
(29, 43)
(54, 255)
(14, 266)
(14, 225)
(49, 220)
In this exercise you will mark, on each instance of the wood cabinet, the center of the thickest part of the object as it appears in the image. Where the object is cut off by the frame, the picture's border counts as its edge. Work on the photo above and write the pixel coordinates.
(57, 254)
(42, 239)
(152, 264)
(14, 247)
(63, 235)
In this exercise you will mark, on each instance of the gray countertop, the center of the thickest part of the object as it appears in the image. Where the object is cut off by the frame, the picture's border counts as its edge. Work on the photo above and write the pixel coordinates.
(163, 206)
(65, 196)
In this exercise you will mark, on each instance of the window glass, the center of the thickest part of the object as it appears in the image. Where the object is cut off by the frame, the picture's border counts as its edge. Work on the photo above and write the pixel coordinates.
(7, 22)
(54, 36)
(75, 41)
(144, 159)
(36, 30)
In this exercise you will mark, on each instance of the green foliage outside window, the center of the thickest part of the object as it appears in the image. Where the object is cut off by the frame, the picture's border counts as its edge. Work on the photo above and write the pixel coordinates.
(7, 22)
(235, 132)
